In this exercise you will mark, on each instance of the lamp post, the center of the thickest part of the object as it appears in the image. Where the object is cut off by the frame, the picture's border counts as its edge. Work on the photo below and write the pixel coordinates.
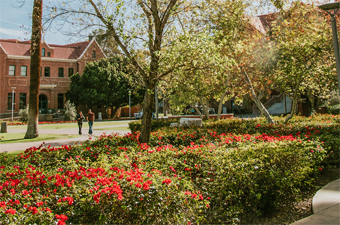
(156, 103)
(332, 9)
(13, 88)
(129, 103)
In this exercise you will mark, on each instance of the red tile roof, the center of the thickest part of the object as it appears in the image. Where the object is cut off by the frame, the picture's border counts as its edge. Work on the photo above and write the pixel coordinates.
(267, 19)
(70, 51)
(22, 48)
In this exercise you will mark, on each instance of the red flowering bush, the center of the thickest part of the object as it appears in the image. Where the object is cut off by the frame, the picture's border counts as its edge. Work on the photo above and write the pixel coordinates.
(89, 195)
(40, 122)
(197, 175)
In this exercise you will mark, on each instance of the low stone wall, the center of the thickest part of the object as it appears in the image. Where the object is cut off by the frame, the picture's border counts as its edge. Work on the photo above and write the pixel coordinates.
(214, 116)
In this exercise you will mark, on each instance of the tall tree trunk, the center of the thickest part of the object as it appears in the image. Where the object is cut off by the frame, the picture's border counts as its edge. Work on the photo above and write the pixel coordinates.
(33, 110)
(149, 99)
(294, 103)
(198, 111)
(205, 104)
(257, 100)
(220, 104)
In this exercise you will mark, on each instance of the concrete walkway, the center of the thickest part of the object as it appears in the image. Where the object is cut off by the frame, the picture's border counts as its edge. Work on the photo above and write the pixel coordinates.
(325, 206)
(11, 147)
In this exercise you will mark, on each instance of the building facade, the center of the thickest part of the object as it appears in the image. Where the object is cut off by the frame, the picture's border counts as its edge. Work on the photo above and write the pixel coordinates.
(58, 64)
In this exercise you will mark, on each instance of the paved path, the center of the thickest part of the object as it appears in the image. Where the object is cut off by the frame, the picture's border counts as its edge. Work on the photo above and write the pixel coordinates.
(71, 141)
(325, 206)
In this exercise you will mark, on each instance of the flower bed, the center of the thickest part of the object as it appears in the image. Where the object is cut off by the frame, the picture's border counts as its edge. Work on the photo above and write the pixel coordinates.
(181, 176)
(41, 122)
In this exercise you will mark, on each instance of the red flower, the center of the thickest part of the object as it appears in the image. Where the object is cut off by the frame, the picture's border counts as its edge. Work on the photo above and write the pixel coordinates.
(320, 169)
(3, 205)
(10, 211)
(166, 181)
(61, 218)
(33, 209)
(146, 186)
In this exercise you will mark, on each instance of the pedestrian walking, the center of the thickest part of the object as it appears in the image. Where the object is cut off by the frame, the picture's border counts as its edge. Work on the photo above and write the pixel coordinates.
(80, 118)
(90, 120)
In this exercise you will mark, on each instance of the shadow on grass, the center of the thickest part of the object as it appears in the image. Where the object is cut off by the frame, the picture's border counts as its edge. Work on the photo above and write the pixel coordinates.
(16, 138)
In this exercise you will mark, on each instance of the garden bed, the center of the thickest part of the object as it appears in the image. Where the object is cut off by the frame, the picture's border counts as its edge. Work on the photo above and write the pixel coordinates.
(215, 174)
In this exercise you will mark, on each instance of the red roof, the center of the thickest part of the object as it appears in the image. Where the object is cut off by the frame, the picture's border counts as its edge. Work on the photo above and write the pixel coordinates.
(267, 19)
(22, 48)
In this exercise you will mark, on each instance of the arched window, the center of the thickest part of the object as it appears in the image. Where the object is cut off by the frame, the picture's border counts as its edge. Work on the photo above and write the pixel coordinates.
(43, 52)
(93, 54)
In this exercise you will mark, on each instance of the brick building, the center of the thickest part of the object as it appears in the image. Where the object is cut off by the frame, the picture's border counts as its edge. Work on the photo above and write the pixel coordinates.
(58, 63)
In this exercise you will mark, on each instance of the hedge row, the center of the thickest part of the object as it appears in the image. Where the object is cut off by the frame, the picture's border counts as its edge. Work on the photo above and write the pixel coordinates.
(156, 124)
(181, 176)
(322, 127)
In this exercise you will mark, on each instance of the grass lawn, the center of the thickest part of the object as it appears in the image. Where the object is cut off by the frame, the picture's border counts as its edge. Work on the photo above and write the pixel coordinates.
(112, 128)
(73, 125)
(16, 152)
(19, 137)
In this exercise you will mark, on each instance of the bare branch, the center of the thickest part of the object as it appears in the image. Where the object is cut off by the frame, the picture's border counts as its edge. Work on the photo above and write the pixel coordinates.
(117, 39)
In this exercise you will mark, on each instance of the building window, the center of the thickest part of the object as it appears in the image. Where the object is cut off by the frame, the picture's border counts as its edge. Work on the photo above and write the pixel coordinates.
(11, 70)
(9, 101)
(48, 54)
(70, 72)
(47, 71)
(60, 101)
(41, 71)
(60, 72)
(43, 52)
(23, 71)
(22, 100)
(93, 54)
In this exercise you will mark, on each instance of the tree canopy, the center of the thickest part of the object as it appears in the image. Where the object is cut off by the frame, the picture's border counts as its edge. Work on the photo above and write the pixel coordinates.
(105, 82)
(305, 61)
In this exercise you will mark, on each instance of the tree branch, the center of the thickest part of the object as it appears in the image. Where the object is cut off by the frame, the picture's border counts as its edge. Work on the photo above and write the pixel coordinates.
(117, 39)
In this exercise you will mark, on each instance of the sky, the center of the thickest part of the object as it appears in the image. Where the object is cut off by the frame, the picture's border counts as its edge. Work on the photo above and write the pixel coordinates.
(15, 23)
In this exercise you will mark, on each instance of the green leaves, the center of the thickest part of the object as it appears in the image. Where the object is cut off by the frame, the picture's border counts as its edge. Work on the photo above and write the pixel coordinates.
(105, 82)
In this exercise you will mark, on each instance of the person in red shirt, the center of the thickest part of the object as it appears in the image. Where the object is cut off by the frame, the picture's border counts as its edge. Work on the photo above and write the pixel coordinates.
(90, 120)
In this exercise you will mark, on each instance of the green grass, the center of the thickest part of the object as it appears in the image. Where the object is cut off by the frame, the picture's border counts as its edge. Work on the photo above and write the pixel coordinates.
(19, 137)
(113, 128)
(72, 125)
(15, 152)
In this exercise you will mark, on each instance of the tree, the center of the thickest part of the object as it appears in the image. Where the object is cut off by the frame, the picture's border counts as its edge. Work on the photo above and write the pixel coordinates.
(104, 82)
(149, 22)
(304, 45)
(255, 60)
(203, 67)
(35, 62)
(206, 50)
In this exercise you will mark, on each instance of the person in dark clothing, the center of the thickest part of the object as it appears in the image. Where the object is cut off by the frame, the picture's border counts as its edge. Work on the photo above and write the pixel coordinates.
(80, 118)
(90, 120)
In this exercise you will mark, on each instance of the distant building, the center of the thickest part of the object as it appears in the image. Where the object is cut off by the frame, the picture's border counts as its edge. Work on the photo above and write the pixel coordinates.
(58, 63)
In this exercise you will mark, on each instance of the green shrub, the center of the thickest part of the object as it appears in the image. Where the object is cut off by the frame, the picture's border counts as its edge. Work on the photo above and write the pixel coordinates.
(155, 124)
(334, 99)
(87, 191)
(205, 175)
(70, 111)
(335, 109)
(23, 113)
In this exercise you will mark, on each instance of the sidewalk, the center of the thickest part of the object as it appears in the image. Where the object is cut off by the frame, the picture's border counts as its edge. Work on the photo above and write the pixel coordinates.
(325, 206)
(55, 143)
